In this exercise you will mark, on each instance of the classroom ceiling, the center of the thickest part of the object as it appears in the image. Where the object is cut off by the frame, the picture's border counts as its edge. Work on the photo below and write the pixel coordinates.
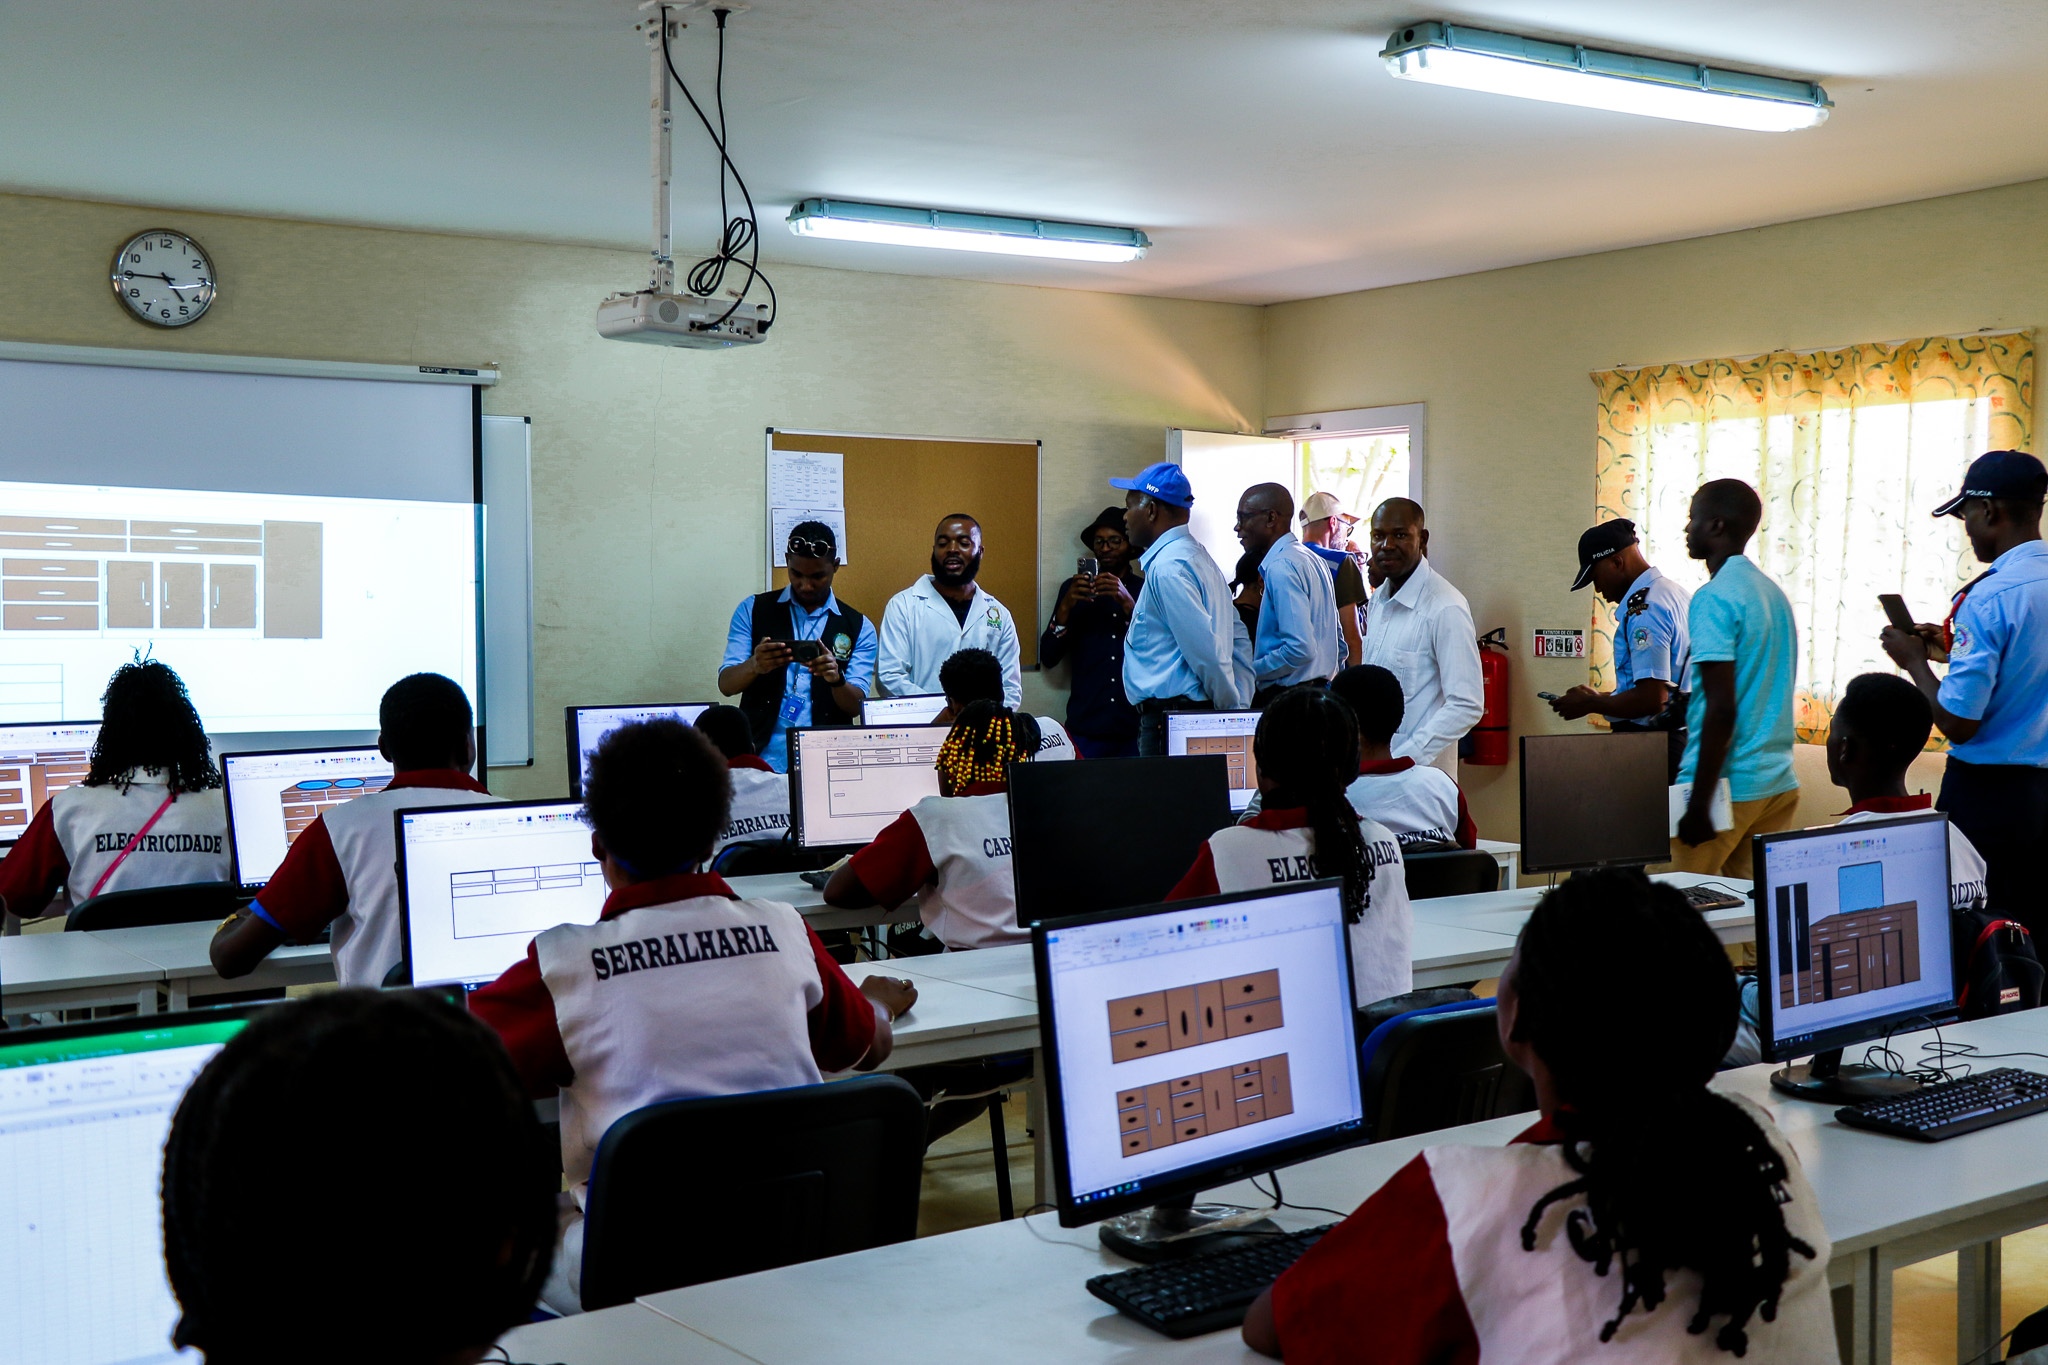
(1259, 142)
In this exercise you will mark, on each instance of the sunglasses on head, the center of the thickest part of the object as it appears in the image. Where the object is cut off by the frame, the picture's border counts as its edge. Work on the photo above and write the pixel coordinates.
(805, 548)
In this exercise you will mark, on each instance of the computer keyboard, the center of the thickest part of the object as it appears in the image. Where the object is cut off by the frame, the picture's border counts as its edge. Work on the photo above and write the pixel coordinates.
(1704, 898)
(1203, 1293)
(1947, 1109)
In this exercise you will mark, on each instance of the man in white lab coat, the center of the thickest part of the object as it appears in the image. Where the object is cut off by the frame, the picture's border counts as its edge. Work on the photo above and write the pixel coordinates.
(944, 612)
(1419, 628)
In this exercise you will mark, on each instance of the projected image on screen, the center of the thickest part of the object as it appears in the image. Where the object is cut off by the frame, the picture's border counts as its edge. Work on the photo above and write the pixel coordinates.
(281, 612)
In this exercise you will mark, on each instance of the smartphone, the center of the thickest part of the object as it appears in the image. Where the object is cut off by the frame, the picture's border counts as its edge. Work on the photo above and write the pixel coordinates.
(1547, 696)
(1895, 609)
(806, 650)
(1087, 568)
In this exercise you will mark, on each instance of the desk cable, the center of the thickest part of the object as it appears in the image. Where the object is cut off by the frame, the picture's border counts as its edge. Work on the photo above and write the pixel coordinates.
(498, 1355)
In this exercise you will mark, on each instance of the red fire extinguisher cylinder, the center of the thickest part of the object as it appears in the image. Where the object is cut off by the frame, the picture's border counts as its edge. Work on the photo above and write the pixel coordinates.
(1490, 736)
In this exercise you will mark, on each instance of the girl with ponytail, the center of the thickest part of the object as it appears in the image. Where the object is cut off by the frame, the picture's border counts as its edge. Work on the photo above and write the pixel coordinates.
(1306, 752)
(1645, 1218)
(952, 850)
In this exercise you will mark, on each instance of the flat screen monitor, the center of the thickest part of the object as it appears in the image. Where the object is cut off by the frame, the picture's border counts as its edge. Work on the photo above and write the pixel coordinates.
(84, 1110)
(477, 882)
(1228, 733)
(36, 760)
(1852, 933)
(1192, 1044)
(917, 709)
(1111, 832)
(588, 725)
(848, 782)
(274, 795)
(1595, 801)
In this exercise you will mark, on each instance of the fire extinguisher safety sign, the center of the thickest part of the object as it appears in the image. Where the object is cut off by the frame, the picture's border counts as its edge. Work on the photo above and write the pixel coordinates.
(1560, 644)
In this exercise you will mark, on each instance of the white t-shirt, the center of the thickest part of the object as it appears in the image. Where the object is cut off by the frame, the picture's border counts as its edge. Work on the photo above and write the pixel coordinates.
(760, 808)
(1965, 863)
(1420, 804)
(188, 843)
(953, 854)
(1054, 743)
(369, 936)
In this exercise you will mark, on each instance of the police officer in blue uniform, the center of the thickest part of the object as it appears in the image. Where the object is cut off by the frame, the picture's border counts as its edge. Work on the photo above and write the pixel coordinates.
(1651, 647)
(1993, 703)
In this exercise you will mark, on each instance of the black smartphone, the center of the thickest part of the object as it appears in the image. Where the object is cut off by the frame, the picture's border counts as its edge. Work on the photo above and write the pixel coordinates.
(806, 650)
(1895, 610)
(1547, 696)
(1087, 568)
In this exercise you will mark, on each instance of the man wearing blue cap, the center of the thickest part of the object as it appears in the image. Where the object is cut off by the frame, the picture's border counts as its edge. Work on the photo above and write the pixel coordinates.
(1993, 704)
(1651, 645)
(1186, 649)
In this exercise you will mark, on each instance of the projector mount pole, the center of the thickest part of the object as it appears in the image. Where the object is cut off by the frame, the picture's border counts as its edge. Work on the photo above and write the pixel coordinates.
(661, 110)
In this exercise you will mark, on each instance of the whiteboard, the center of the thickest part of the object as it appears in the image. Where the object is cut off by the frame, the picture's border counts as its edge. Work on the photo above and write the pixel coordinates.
(508, 591)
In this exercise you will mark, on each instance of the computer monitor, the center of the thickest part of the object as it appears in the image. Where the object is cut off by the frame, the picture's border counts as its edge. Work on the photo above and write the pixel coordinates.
(477, 882)
(1595, 801)
(84, 1110)
(1111, 832)
(1228, 733)
(588, 725)
(1852, 943)
(1192, 1044)
(848, 782)
(917, 709)
(272, 795)
(36, 760)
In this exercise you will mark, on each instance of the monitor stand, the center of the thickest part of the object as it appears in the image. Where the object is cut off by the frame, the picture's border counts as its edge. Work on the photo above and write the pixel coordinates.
(1826, 1080)
(1171, 1230)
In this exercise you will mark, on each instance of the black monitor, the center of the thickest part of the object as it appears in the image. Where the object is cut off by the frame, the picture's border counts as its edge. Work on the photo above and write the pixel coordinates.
(1110, 832)
(1852, 943)
(1595, 801)
(1189, 1045)
(588, 725)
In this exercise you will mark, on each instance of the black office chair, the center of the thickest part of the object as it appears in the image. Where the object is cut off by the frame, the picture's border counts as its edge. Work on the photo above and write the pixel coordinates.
(787, 1176)
(754, 858)
(1454, 872)
(186, 903)
(1437, 1068)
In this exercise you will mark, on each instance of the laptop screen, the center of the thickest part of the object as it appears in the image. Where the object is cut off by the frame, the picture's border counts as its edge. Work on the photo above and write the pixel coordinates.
(273, 797)
(36, 761)
(83, 1117)
(478, 882)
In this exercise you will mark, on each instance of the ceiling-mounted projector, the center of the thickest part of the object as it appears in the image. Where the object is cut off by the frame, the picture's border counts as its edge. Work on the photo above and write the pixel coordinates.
(681, 320)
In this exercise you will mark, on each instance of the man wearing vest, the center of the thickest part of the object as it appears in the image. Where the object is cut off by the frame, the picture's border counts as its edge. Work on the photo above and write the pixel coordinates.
(778, 690)
(343, 868)
(681, 990)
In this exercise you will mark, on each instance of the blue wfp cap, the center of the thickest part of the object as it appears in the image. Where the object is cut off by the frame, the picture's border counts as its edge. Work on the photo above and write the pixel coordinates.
(1165, 482)
(1999, 474)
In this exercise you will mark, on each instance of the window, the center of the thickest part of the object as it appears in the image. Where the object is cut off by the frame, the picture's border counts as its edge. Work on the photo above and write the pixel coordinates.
(1850, 451)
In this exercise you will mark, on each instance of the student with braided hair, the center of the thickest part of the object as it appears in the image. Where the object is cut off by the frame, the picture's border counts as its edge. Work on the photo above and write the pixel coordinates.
(952, 851)
(1307, 751)
(425, 1181)
(1644, 1218)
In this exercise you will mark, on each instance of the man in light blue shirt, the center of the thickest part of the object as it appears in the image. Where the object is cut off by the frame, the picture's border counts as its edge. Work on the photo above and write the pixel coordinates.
(1298, 638)
(1745, 648)
(1186, 649)
(1652, 648)
(1993, 705)
(782, 691)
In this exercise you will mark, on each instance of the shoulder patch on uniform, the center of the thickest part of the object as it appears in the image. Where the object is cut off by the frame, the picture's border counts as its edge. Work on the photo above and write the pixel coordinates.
(1638, 600)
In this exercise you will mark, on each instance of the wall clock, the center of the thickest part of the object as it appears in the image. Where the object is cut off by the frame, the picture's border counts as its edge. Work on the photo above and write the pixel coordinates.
(164, 278)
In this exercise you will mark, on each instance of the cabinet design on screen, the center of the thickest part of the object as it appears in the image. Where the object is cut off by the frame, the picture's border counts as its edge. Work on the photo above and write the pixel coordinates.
(1188, 1016)
(1200, 1106)
(27, 780)
(1236, 751)
(305, 802)
(99, 575)
(1865, 945)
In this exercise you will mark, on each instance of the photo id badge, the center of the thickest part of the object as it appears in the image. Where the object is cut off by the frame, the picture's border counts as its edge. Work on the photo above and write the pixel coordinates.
(793, 708)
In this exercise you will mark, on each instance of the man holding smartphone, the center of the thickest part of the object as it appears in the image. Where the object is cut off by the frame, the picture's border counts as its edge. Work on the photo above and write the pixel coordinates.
(1087, 632)
(798, 657)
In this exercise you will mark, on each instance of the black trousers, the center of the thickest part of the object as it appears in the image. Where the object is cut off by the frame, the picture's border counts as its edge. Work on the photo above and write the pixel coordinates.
(1152, 723)
(2003, 810)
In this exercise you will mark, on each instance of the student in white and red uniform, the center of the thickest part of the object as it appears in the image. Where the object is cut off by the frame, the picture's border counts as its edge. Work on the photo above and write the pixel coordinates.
(971, 675)
(681, 989)
(952, 851)
(1424, 806)
(149, 812)
(1644, 1220)
(760, 795)
(343, 868)
(1307, 751)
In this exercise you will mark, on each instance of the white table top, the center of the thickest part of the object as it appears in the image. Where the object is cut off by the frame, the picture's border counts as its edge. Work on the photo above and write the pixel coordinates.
(182, 950)
(627, 1335)
(787, 887)
(61, 961)
(1504, 912)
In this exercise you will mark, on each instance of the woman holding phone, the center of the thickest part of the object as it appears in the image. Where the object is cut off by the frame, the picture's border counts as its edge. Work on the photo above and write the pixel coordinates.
(1087, 629)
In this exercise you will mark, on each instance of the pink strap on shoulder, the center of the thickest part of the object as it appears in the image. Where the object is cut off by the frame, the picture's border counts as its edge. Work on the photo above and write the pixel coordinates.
(129, 847)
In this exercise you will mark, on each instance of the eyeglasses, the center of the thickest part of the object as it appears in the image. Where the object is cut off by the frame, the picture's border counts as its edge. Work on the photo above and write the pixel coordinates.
(803, 547)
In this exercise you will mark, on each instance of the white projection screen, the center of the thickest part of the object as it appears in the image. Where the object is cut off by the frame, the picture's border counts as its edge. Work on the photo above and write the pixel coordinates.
(291, 545)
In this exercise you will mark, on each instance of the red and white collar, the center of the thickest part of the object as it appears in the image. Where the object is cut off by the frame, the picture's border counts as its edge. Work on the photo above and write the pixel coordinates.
(1383, 767)
(677, 886)
(1889, 805)
(750, 763)
(1296, 818)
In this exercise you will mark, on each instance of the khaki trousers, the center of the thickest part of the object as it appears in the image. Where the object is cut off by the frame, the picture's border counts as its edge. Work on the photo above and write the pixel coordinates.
(1727, 853)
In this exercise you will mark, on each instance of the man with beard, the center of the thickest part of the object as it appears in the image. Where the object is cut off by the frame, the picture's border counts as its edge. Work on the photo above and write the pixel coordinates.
(944, 612)
(1419, 628)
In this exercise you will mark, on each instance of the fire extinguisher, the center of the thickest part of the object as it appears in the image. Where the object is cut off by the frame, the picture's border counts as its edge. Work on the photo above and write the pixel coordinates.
(1489, 738)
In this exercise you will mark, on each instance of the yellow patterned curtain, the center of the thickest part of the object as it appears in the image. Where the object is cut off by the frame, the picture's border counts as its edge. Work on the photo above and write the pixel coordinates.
(1850, 451)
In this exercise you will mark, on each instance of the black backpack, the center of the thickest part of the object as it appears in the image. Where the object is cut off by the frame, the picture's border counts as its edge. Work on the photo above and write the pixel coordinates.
(1997, 969)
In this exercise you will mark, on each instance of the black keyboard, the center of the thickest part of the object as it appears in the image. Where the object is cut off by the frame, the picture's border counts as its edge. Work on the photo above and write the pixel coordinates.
(1947, 1109)
(1704, 898)
(1203, 1293)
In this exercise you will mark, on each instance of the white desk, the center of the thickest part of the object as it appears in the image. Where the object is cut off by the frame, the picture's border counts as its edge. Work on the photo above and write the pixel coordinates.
(180, 950)
(73, 971)
(627, 1335)
(1508, 855)
(1505, 912)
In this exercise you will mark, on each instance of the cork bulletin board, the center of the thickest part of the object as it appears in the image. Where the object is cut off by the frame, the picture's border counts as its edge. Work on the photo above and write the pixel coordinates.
(896, 490)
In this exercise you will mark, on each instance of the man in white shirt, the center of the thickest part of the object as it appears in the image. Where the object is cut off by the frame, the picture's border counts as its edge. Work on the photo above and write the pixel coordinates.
(1298, 637)
(943, 613)
(1419, 628)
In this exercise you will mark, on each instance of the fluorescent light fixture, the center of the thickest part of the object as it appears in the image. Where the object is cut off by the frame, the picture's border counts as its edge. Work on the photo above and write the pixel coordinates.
(1565, 73)
(893, 225)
